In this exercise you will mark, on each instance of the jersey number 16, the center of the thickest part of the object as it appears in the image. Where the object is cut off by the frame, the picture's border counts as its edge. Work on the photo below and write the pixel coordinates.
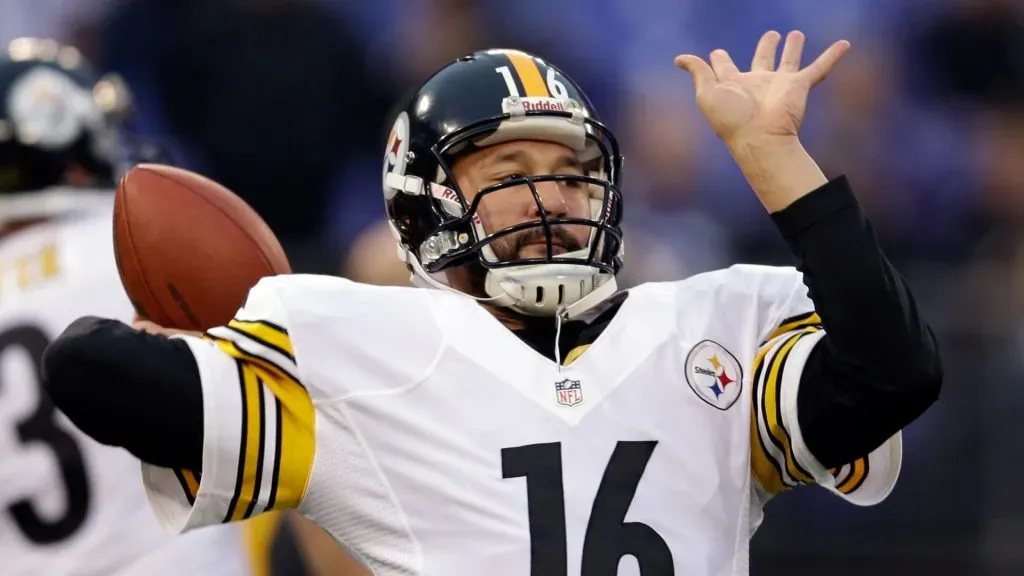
(609, 537)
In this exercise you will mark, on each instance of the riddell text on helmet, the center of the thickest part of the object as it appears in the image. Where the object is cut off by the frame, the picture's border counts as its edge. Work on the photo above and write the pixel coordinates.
(543, 105)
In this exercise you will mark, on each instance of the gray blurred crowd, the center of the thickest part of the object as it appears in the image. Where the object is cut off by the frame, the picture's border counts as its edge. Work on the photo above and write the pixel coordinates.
(287, 102)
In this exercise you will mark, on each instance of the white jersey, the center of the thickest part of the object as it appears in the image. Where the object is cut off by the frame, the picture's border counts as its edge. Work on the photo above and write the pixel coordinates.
(428, 439)
(69, 505)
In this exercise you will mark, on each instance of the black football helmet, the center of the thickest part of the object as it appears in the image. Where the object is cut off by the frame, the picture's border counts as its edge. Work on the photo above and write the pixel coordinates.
(487, 98)
(56, 114)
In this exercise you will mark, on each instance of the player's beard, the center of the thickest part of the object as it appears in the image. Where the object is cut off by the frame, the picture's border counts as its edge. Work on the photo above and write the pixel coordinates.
(512, 247)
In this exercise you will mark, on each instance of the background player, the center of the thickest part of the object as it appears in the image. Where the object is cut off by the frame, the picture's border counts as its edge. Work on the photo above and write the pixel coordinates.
(68, 505)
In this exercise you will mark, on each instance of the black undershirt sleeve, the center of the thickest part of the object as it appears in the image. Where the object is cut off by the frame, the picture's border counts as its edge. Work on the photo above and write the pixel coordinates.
(878, 367)
(130, 389)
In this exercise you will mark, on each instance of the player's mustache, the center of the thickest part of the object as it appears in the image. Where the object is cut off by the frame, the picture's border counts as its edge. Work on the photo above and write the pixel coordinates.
(558, 236)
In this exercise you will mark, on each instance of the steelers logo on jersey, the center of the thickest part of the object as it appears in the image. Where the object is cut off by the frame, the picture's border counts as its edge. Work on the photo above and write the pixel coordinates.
(714, 374)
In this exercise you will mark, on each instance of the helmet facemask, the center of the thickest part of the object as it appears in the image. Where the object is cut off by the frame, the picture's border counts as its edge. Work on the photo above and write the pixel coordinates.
(575, 255)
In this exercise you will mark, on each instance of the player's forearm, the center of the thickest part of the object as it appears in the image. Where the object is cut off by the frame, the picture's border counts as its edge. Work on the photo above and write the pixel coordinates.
(130, 389)
(778, 169)
(878, 368)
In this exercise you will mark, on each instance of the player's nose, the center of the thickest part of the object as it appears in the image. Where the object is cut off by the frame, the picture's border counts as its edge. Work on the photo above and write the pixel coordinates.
(552, 201)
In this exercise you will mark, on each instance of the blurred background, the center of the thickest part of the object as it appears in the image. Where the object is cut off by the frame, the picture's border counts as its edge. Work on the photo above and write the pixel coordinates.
(286, 103)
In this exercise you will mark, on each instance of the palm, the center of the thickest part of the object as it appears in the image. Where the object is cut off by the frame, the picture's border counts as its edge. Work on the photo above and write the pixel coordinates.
(767, 100)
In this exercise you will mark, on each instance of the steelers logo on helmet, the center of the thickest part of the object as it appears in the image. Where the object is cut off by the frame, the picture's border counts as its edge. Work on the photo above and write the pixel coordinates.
(49, 110)
(396, 152)
(714, 374)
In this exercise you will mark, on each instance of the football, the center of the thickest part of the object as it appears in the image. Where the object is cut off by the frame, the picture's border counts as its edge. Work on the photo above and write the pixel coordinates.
(188, 249)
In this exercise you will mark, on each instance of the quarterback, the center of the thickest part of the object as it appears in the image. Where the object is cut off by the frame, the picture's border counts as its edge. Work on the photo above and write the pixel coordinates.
(521, 415)
(69, 506)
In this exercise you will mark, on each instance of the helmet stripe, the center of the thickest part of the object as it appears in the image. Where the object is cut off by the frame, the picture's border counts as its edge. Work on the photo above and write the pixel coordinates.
(529, 74)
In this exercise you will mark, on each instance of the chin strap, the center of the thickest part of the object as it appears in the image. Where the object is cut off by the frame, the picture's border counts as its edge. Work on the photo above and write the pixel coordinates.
(577, 309)
(422, 278)
(595, 297)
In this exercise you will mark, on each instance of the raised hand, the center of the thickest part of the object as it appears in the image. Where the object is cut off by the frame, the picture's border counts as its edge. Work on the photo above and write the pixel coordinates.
(767, 101)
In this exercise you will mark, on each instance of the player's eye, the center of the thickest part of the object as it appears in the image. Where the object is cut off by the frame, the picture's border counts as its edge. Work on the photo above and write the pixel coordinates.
(511, 176)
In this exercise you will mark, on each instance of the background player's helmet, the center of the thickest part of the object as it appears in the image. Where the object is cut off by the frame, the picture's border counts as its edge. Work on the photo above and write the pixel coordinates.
(483, 99)
(58, 118)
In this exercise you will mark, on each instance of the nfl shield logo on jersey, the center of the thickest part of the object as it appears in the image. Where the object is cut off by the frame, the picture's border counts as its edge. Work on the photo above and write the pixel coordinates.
(568, 392)
(714, 374)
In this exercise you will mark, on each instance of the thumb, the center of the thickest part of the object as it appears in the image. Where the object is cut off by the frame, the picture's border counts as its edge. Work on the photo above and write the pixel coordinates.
(701, 72)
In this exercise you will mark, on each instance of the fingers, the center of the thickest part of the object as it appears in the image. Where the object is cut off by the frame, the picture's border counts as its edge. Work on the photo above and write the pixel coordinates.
(764, 54)
(702, 74)
(820, 68)
(154, 328)
(722, 64)
(147, 326)
(792, 52)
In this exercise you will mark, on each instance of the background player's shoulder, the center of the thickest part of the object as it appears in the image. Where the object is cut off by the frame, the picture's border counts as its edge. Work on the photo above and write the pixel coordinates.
(72, 253)
(88, 238)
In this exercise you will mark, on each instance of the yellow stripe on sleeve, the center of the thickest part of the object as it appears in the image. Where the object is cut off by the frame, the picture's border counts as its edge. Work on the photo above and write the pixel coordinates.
(298, 442)
(795, 322)
(771, 408)
(858, 473)
(278, 440)
(192, 481)
(255, 436)
(529, 74)
(189, 484)
(238, 353)
(764, 468)
(270, 335)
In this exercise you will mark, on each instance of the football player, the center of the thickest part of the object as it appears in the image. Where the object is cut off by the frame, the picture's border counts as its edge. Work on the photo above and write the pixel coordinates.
(68, 505)
(524, 417)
